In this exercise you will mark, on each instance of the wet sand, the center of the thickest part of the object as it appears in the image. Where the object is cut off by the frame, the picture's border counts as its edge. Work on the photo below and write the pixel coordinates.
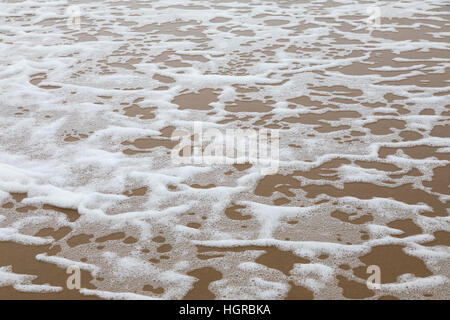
(87, 178)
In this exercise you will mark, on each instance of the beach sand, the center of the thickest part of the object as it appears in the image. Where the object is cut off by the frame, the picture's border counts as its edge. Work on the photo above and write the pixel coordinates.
(88, 181)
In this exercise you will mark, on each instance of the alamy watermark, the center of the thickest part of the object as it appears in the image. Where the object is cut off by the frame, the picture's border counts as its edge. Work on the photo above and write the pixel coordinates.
(374, 19)
(73, 14)
(74, 280)
(232, 146)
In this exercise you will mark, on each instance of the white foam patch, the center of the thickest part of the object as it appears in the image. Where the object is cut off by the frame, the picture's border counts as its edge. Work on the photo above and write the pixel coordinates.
(302, 248)
(269, 216)
(66, 263)
(314, 276)
(12, 234)
(115, 295)
(65, 125)
(415, 284)
(37, 288)
(255, 288)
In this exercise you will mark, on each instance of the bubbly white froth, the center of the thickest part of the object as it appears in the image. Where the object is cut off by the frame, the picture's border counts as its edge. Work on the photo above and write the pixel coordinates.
(74, 104)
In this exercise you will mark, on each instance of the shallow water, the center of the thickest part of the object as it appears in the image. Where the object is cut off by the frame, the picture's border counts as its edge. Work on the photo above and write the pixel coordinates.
(87, 178)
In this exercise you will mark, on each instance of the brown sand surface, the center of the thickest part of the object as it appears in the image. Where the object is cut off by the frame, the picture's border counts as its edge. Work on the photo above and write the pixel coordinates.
(87, 177)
